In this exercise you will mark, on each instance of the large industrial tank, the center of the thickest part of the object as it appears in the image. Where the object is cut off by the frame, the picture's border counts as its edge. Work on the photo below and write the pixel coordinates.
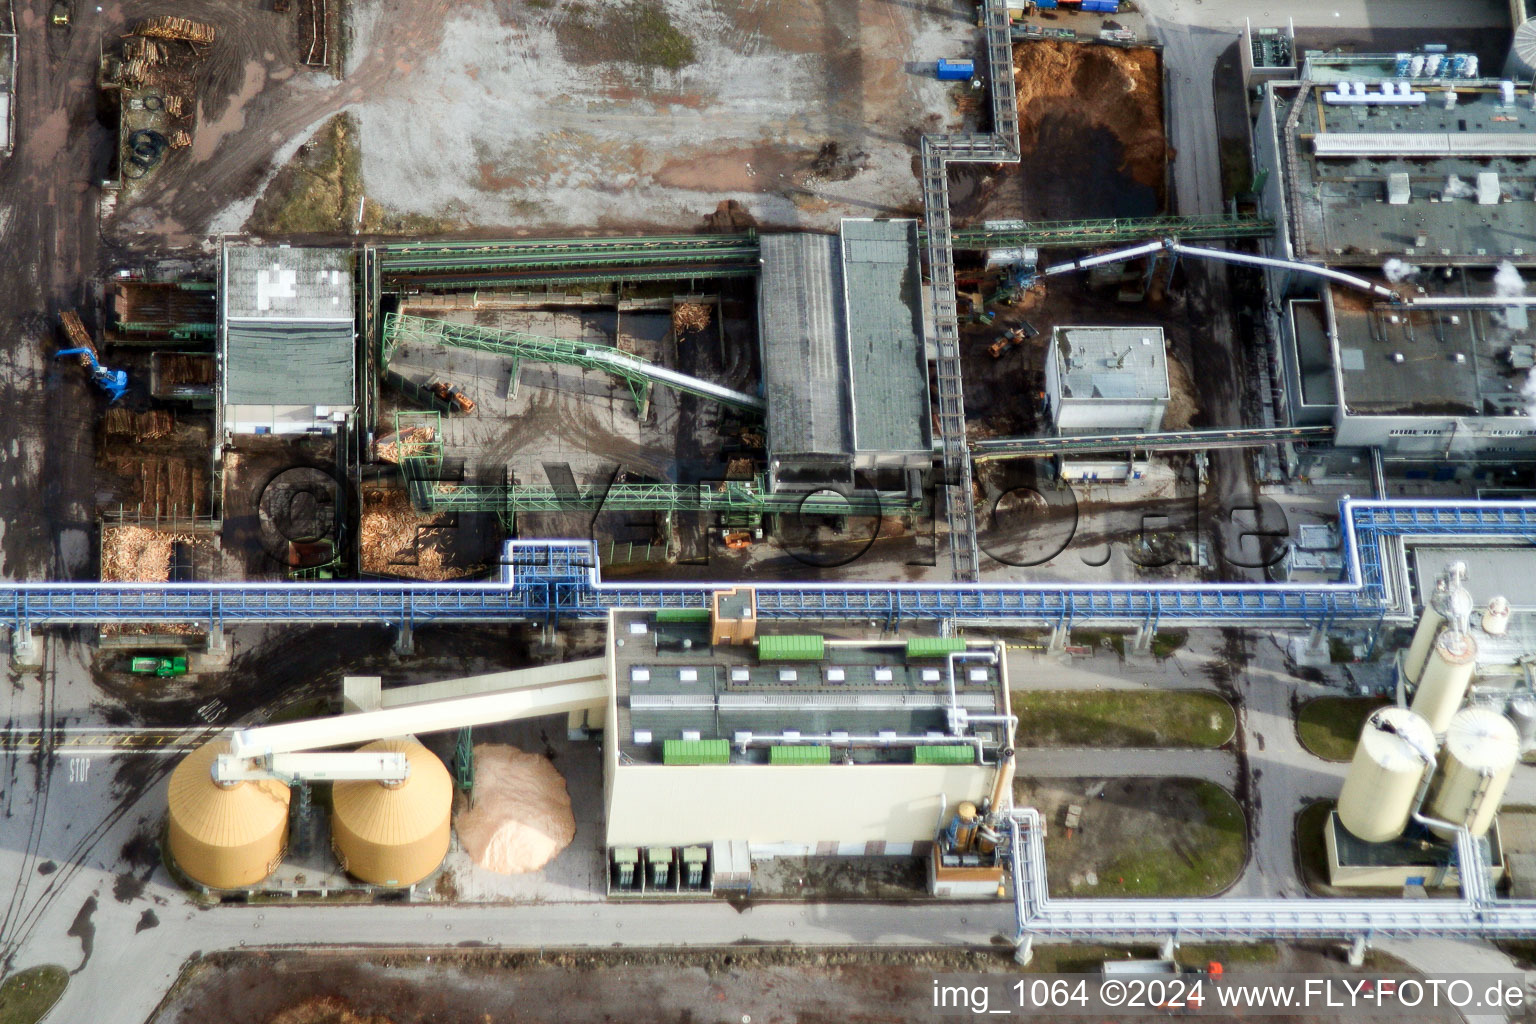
(1522, 711)
(1481, 748)
(1447, 673)
(1449, 601)
(394, 833)
(1396, 748)
(225, 835)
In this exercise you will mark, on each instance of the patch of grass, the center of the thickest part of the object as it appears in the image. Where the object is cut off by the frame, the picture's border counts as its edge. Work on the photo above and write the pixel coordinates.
(1165, 643)
(27, 995)
(1122, 718)
(1236, 167)
(319, 191)
(640, 32)
(1311, 853)
(1200, 954)
(1100, 639)
(1056, 959)
(1330, 726)
(1200, 855)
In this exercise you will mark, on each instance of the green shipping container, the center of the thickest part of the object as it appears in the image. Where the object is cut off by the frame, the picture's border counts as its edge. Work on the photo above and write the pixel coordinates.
(799, 754)
(934, 646)
(791, 647)
(696, 752)
(682, 615)
(949, 753)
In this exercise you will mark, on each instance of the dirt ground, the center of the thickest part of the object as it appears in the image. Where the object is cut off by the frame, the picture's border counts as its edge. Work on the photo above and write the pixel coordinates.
(1139, 837)
(522, 114)
(725, 986)
(1087, 114)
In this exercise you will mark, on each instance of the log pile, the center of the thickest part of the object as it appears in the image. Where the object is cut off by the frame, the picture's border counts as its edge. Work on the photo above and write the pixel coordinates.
(171, 27)
(122, 423)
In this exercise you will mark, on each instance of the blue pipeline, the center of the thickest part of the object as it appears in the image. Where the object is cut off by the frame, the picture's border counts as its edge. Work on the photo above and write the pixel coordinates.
(550, 581)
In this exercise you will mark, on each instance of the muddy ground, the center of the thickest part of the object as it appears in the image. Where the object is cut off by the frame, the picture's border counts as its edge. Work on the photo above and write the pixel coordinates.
(1090, 137)
(527, 115)
(767, 986)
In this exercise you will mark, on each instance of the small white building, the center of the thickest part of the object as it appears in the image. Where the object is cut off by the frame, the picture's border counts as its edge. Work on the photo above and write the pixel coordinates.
(287, 340)
(1106, 380)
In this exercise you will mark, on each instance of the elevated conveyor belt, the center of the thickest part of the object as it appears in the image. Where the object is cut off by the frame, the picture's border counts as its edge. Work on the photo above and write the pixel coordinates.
(729, 496)
(1047, 234)
(524, 255)
(638, 373)
(529, 693)
(1177, 441)
(550, 581)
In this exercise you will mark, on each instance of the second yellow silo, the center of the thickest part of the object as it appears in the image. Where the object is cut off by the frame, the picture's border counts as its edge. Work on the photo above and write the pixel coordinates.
(394, 834)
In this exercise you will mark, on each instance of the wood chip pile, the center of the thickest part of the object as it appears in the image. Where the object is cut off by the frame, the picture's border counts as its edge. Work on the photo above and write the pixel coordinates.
(136, 554)
(521, 818)
(399, 541)
(690, 316)
(402, 445)
(171, 27)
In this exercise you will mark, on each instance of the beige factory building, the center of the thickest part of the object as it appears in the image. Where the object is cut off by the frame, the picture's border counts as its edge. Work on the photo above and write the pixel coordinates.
(773, 744)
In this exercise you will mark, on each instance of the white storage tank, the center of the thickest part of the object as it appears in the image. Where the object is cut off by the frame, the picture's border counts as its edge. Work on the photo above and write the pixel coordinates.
(1522, 711)
(1447, 674)
(1495, 620)
(1396, 748)
(1480, 752)
(1450, 601)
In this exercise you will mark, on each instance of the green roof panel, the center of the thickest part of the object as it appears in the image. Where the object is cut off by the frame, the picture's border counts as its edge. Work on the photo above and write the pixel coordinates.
(684, 752)
(682, 615)
(949, 753)
(791, 647)
(799, 754)
(934, 646)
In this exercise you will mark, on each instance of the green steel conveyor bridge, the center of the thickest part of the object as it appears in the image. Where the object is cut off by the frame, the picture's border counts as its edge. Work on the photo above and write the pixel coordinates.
(640, 374)
(539, 261)
(731, 497)
(1061, 233)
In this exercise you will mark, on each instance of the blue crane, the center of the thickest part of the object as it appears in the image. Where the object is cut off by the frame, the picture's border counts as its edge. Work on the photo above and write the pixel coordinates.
(113, 382)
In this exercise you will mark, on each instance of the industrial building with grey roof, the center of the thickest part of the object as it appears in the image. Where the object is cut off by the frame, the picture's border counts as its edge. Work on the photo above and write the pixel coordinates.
(1426, 184)
(287, 340)
(843, 354)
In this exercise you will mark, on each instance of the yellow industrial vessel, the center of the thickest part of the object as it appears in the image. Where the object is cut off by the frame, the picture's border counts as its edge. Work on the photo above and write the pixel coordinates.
(1481, 748)
(394, 834)
(1447, 673)
(1396, 749)
(225, 835)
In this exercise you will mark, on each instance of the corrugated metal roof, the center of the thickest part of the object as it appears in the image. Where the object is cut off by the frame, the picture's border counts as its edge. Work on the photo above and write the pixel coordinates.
(805, 369)
(1422, 144)
(289, 363)
(882, 286)
(286, 283)
(1112, 362)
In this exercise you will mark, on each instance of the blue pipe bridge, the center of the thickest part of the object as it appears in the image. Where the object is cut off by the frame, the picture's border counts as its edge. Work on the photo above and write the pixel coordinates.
(552, 581)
